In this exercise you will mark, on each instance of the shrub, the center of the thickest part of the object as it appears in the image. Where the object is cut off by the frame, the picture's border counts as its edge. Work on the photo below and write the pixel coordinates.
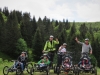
(6, 60)
(93, 60)
(21, 46)
(30, 57)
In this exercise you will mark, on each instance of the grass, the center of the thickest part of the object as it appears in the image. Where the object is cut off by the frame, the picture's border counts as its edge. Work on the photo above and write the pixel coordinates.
(36, 73)
(98, 71)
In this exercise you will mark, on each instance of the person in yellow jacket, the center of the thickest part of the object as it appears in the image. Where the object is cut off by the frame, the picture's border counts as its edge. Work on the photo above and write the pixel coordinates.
(50, 47)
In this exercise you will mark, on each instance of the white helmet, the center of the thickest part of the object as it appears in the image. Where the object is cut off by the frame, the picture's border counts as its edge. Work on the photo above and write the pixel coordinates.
(86, 39)
(51, 36)
(64, 44)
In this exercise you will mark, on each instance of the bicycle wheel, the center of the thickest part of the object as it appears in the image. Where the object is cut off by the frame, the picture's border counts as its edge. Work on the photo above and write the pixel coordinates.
(58, 70)
(29, 68)
(6, 70)
(18, 71)
(55, 69)
(48, 70)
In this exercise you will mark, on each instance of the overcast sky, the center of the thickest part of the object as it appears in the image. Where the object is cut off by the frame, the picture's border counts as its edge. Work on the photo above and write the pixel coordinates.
(73, 10)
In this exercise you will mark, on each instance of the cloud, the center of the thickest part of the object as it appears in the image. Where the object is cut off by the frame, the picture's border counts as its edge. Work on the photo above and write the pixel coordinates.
(40, 8)
(50, 9)
(61, 12)
(78, 10)
(89, 11)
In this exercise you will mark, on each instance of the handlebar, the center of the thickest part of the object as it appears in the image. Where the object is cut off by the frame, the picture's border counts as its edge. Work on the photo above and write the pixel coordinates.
(85, 53)
(61, 53)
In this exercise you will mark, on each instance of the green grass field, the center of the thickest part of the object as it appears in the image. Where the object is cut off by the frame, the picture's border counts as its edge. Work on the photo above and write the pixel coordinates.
(36, 73)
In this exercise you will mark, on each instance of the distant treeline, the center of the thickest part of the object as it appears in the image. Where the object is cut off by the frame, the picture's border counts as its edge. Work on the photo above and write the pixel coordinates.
(19, 32)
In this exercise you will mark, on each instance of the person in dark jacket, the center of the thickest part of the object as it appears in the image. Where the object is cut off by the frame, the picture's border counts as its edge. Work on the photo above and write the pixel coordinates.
(22, 59)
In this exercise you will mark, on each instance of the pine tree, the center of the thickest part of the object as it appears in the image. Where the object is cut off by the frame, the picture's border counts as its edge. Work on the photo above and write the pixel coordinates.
(6, 11)
(1, 22)
(37, 45)
(1, 29)
(27, 29)
(63, 37)
(60, 27)
(72, 45)
(46, 24)
(56, 23)
(41, 26)
(83, 30)
(73, 29)
(91, 30)
(48, 28)
(67, 25)
(11, 34)
(19, 16)
(51, 30)
(34, 26)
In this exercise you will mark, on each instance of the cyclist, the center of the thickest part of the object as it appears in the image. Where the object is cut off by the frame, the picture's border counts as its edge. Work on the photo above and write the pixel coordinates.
(22, 59)
(66, 62)
(86, 47)
(61, 52)
(44, 61)
(50, 47)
